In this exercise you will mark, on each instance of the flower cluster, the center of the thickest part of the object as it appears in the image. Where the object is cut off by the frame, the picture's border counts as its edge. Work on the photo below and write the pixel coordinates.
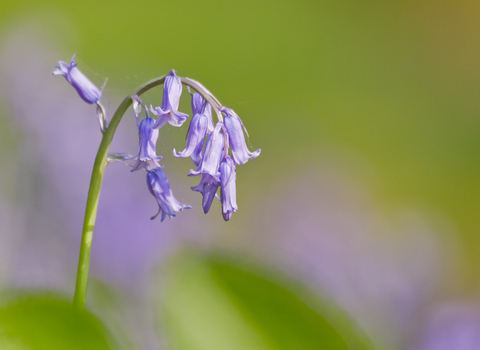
(215, 150)
(146, 157)
(214, 164)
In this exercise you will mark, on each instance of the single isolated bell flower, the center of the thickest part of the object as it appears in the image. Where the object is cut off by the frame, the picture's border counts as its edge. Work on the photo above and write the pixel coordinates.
(228, 194)
(159, 187)
(85, 88)
(233, 125)
(168, 113)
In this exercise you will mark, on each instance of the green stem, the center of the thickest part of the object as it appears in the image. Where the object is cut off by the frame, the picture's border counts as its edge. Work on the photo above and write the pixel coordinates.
(97, 176)
(94, 194)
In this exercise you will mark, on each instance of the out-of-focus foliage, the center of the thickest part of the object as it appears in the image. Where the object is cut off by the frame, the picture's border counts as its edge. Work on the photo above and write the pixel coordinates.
(47, 323)
(213, 302)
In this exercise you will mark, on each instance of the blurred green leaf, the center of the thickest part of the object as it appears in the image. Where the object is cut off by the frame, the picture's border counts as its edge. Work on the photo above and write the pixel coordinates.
(213, 303)
(44, 322)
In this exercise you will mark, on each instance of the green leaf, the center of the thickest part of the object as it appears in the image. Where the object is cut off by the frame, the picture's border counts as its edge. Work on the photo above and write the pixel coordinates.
(216, 303)
(45, 322)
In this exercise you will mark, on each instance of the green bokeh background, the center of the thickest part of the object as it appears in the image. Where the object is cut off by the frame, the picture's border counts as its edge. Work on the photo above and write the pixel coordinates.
(395, 85)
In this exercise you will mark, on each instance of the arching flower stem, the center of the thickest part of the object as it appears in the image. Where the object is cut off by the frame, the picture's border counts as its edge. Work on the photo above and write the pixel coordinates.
(97, 177)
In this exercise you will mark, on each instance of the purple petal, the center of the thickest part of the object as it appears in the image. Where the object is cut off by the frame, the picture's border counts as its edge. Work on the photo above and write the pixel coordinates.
(195, 139)
(233, 125)
(172, 90)
(228, 190)
(85, 88)
(212, 154)
(208, 188)
(159, 187)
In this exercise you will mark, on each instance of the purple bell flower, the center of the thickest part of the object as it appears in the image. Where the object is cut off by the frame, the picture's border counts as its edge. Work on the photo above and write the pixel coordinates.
(212, 154)
(197, 130)
(233, 125)
(208, 188)
(85, 88)
(168, 113)
(199, 105)
(159, 187)
(146, 156)
(148, 136)
(228, 194)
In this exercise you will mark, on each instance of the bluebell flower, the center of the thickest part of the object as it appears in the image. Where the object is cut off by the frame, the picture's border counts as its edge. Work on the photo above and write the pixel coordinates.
(228, 194)
(85, 88)
(233, 125)
(159, 187)
(199, 105)
(148, 136)
(168, 113)
(146, 156)
(212, 154)
(208, 188)
(197, 130)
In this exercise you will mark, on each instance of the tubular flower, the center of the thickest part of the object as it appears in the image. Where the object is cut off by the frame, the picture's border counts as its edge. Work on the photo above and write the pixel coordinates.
(146, 156)
(148, 136)
(228, 194)
(199, 105)
(212, 154)
(159, 187)
(169, 113)
(200, 125)
(208, 188)
(233, 125)
(85, 88)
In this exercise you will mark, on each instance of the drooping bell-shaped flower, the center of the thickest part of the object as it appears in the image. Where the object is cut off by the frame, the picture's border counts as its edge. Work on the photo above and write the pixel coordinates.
(195, 139)
(168, 113)
(197, 130)
(148, 136)
(85, 88)
(212, 154)
(146, 156)
(228, 194)
(199, 105)
(233, 125)
(159, 187)
(208, 188)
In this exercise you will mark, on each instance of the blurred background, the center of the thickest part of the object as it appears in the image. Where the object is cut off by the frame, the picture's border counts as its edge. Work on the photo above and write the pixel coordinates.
(358, 225)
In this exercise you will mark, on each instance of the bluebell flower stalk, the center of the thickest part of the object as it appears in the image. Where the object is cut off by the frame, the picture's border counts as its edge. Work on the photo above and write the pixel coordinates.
(212, 158)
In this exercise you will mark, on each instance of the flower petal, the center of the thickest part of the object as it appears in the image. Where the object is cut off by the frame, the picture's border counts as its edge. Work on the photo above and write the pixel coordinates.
(85, 88)
(159, 187)
(233, 125)
(228, 190)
